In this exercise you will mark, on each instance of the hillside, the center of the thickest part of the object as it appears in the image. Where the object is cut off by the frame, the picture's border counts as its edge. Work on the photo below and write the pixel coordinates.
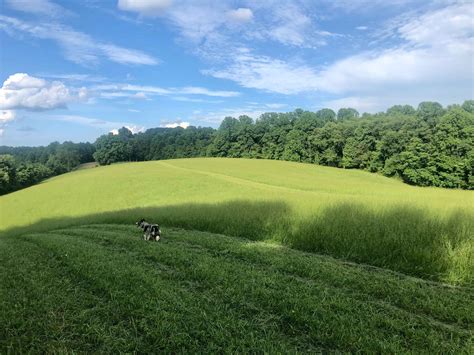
(349, 214)
(100, 288)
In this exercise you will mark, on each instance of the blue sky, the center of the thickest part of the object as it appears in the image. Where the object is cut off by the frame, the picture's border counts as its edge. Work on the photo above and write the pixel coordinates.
(72, 70)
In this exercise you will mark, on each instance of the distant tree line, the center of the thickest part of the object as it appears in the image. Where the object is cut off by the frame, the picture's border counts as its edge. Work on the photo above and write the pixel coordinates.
(427, 146)
(21, 167)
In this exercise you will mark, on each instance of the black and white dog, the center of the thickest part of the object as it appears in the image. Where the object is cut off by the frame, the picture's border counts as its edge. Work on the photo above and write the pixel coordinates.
(150, 231)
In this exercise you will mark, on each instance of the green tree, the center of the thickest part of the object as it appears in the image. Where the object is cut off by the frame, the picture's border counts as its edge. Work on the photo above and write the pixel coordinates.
(401, 110)
(468, 106)
(430, 111)
(7, 173)
(326, 115)
(347, 113)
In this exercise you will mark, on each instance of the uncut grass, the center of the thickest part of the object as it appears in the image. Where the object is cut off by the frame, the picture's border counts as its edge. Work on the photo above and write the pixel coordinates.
(353, 215)
(404, 239)
(100, 288)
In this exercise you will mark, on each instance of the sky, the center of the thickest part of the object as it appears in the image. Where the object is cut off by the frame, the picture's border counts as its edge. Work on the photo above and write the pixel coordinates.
(73, 70)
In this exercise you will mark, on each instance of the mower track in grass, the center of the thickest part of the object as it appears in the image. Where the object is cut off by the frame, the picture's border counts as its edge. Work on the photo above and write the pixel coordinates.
(100, 288)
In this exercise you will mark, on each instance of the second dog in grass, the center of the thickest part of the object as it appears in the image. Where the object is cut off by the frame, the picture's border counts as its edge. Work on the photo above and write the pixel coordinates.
(150, 231)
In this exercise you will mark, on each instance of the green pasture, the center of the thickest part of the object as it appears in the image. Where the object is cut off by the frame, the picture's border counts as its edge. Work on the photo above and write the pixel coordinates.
(348, 214)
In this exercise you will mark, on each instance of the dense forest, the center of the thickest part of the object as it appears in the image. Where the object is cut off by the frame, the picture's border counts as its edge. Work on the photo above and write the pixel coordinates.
(427, 146)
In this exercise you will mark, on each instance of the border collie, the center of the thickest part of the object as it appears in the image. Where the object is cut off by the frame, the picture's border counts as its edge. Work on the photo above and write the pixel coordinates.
(150, 231)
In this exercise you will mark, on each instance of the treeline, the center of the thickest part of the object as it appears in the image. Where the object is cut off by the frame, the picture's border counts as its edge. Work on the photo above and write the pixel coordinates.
(427, 146)
(154, 144)
(21, 167)
(430, 146)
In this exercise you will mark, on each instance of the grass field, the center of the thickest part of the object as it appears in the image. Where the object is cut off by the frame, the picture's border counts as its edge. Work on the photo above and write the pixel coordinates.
(350, 214)
(99, 288)
(256, 255)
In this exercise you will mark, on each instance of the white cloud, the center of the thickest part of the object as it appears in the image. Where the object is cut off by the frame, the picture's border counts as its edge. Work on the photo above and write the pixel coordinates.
(125, 56)
(141, 91)
(139, 96)
(268, 74)
(6, 116)
(441, 27)
(22, 91)
(433, 62)
(134, 129)
(74, 77)
(290, 25)
(368, 5)
(241, 14)
(175, 124)
(194, 90)
(275, 106)
(362, 28)
(38, 7)
(144, 7)
(78, 47)
(120, 94)
(210, 24)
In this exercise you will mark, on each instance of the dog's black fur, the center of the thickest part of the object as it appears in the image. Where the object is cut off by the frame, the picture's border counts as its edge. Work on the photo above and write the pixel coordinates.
(150, 231)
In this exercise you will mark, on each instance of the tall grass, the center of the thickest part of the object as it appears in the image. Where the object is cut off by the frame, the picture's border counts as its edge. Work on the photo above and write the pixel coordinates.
(402, 238)
(352, 215)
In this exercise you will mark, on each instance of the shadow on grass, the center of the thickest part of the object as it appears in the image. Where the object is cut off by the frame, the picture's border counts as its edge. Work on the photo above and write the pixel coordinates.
(400, 238)
(248, 219)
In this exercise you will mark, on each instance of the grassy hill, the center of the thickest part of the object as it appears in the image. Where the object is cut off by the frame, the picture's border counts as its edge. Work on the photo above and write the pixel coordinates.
(350, 214)
(99, 288)
(76, 276)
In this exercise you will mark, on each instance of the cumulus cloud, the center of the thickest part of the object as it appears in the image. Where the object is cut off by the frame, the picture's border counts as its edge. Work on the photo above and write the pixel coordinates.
(175, 124)
(6, 116)
(78, 47)
(132, 128)
(22, 91)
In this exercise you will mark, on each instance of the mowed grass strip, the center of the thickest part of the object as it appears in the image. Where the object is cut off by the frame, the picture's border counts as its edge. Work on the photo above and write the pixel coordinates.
(100, 288)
